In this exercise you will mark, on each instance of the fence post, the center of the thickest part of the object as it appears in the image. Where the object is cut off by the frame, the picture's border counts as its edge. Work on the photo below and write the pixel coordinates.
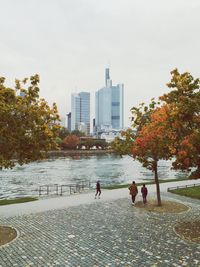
(57, 189)
(39, 190)
(47, 189)
(70, 190)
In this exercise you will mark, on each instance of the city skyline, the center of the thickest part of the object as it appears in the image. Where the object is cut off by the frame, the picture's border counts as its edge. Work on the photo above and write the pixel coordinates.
(109, 109)
(70, 43)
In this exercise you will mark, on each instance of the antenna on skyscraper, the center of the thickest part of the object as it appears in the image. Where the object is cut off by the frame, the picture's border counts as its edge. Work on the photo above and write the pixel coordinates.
(108, 82)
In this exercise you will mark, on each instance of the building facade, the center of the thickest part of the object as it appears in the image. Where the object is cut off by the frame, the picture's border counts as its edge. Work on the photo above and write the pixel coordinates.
(69, 121)
(109, 106)
(80, 112)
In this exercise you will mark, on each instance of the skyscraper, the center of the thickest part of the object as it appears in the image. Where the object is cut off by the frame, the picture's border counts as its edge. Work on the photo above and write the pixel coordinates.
(80, 112)
(69, 121)
(109, 106)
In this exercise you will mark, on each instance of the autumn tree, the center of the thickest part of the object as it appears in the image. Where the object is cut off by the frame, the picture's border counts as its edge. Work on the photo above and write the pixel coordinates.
(28, 125)
(70, 142)
(184, 119)
(123, 145)
(153, 142)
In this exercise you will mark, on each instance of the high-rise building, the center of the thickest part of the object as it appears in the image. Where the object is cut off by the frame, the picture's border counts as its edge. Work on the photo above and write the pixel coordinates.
(109, 106)
(80, 112)
(69, 121)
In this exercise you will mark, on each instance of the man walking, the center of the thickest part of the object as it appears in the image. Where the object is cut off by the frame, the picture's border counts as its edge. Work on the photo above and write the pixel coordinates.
(133, 191)
(98, 189)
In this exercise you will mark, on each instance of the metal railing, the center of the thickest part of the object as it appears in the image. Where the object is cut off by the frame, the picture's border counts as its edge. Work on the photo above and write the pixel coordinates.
(55, 189)
(182, 186)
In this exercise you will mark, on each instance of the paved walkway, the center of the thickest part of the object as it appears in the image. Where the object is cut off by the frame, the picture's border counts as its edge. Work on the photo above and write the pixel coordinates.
(76, 200)
(102, 232)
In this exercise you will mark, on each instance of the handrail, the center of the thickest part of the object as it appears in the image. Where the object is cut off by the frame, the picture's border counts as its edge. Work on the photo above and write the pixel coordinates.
(182, 186)
(73, 188)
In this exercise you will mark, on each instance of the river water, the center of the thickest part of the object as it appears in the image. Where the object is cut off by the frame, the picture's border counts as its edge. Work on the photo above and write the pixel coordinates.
(109, 169)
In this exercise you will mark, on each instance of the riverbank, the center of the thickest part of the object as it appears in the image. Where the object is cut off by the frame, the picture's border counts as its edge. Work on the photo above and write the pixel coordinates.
(79, 199)
(66, 153)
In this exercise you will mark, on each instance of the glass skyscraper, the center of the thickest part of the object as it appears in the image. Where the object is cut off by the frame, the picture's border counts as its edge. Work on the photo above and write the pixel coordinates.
(109, 106)
(80, 112)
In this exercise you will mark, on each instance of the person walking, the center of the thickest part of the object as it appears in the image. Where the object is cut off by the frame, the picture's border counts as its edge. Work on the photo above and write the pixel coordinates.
(133, 191)
(144, 192)
(98, 190)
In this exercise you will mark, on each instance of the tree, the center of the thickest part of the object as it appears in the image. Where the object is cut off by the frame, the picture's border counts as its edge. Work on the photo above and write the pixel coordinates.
(70, 142)
(123, 146)
(149, 140)
(153, 142)
(63, 132)
(78, 133)
(184, 119)
(28, 126)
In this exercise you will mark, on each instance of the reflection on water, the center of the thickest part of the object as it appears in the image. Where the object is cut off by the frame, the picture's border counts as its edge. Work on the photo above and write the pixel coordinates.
(109, 169)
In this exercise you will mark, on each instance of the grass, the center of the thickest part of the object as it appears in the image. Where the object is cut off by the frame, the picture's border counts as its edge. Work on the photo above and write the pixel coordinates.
(193, 192)
(117, 186)
(16, 200)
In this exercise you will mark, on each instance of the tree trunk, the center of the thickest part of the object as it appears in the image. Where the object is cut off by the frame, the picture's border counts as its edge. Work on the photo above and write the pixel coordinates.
(196, 174)
(157, 183)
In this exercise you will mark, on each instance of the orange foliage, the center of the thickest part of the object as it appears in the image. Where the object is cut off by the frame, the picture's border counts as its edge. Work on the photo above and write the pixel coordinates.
(155, 138)
(70, 142)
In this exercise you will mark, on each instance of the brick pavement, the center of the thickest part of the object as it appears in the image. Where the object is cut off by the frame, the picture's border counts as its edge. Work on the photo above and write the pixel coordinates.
(109, 233)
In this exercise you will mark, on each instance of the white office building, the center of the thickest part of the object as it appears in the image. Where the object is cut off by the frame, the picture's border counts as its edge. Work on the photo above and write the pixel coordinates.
(80, 112)
(109, 106)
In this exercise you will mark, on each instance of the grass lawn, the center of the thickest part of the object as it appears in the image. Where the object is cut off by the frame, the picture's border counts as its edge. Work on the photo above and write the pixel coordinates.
(117, 186)
(17, 200)
(193, 191)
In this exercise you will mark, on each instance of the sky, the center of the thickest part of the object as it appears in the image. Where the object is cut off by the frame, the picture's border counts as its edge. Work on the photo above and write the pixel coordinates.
(69, 43)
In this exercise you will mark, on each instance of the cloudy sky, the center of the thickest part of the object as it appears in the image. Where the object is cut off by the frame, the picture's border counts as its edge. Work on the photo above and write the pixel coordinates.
(70, 42)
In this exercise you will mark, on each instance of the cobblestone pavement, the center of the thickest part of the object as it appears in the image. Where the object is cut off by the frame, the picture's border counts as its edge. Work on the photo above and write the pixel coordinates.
(101, 234)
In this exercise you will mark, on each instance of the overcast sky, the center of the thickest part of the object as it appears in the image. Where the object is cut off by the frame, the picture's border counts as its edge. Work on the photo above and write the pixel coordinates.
(70, 42)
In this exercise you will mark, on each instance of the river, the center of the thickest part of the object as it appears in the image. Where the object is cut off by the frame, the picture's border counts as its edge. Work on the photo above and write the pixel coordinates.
(109, 169)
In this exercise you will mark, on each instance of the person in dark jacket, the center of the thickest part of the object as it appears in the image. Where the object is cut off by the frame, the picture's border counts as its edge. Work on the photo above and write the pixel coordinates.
(98, 190)
(133, 191)
(144, 192)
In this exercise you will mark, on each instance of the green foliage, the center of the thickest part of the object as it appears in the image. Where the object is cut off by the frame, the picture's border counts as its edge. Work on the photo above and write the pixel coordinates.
(117, 186)
(28, 126)
(16, 200)
(123, 146)
(193, 192)
(63, 132)
(78, 133)
(90, 142)
(141, 114)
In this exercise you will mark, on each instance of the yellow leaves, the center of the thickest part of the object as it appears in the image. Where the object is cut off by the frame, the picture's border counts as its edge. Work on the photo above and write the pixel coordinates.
(2, 80)
(29, 126)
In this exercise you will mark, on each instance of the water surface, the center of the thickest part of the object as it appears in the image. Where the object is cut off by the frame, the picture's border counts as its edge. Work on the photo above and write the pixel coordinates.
(109, 169)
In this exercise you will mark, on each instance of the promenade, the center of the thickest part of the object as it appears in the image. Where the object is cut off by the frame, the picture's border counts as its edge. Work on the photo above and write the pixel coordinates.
(79, 230)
